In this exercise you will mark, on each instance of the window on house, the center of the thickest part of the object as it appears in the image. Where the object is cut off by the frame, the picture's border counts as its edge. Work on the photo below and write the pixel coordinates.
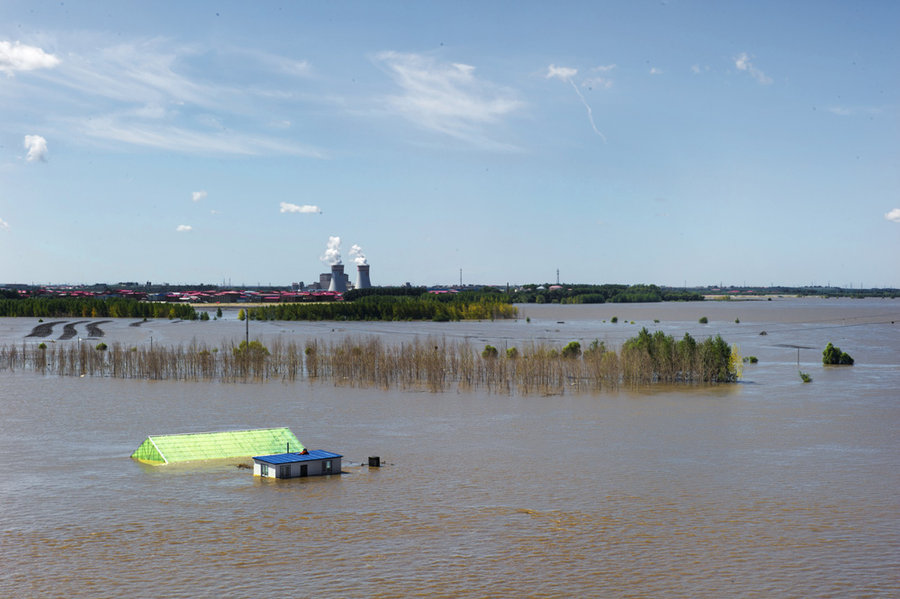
(264, 470)
(326, 467)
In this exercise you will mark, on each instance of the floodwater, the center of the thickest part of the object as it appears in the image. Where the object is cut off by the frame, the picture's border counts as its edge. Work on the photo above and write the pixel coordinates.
(767, 488)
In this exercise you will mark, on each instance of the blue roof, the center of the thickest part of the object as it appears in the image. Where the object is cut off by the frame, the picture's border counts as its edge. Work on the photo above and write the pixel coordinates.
(290, 458)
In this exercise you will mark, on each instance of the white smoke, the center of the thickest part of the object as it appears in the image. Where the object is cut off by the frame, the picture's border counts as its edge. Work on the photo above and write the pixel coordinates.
(358, 257)
(332, 253)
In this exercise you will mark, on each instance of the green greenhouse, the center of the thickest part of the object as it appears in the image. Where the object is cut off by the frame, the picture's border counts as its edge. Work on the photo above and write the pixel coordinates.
(164, 449)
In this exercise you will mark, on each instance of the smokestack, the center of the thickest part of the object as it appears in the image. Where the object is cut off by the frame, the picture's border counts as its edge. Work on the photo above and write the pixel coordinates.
(362, 276)
(338, 281)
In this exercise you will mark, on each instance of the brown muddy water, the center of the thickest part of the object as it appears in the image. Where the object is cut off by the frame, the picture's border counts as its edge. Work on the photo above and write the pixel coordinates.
(767, 488)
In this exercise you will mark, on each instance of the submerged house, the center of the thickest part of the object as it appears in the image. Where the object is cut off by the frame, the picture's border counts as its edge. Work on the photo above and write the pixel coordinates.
(165, 449)
(315, 462)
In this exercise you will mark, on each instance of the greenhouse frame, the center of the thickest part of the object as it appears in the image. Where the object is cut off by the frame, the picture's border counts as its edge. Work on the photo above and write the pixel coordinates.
(185, 447)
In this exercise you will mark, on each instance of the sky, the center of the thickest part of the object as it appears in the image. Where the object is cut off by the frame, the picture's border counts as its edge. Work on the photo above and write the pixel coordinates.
(674, 142)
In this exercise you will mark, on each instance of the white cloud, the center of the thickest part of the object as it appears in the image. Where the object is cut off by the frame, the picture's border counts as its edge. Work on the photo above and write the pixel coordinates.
(305, 209)
(37, 148)
(184, 228)
(121, 128)
(604, 68)
(742, 62)
(893, 215)
(145, 93)
(695, 69)
(198, 195)
(561, 73)
(4, 225)
(447, 97)
(566, 74)
(598, 82)
(19, 57)
(655, 71)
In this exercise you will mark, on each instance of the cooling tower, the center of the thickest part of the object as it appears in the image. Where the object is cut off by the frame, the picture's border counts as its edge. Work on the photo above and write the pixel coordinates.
(362, 276)
(338, 280)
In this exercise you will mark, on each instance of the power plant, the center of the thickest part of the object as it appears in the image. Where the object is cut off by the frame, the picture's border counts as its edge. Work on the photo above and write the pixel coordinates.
(362, 276)
(338, 279)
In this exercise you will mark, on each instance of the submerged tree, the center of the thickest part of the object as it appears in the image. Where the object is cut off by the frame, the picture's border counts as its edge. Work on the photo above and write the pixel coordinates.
(834, 356)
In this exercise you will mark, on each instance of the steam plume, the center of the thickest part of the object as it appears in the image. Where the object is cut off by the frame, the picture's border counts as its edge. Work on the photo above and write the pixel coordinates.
(358, 256)
(332, 253)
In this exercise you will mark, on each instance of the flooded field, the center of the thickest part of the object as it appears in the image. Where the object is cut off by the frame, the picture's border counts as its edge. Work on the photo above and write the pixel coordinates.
(769, 487)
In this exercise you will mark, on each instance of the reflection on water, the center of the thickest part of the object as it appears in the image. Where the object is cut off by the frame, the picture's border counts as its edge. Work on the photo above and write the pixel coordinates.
(765, 488)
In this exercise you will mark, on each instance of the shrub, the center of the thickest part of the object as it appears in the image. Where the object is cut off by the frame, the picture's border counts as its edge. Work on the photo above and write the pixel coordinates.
(703, 320)
(254, 349)
(101, 346)
(572, 350)
(834, 356)
(512, 353)
(751, 359)
(805, 377)
(42, 345)
(614, 319)
(489, 352)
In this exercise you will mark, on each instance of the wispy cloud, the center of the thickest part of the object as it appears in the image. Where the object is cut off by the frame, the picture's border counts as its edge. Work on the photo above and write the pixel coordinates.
(4, 225)
(655, 71)
(447, 97)
(893, 215)
(287, 207)
(37, 148)
(198, 195)
(20, 57)
(742, 62)
(144, 93)
(567, 74)
(184, 228)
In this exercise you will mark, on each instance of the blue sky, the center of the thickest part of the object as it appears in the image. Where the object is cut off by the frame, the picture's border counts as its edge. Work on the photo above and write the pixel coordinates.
(619, 142)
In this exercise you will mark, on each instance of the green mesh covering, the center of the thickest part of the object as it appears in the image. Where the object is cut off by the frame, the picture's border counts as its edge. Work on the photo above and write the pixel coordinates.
(163, 449)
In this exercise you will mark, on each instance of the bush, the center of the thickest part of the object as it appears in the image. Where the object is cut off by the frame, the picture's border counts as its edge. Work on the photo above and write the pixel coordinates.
(751, 359)
(834, 356)
(512, 353)
(101, 346)
(254, 349)
(614, 319)
(489, 352)
(572, 350)
(703, 320)
(805, 377)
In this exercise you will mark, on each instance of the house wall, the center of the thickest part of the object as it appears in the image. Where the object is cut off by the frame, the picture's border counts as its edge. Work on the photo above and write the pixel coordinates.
(314, 468)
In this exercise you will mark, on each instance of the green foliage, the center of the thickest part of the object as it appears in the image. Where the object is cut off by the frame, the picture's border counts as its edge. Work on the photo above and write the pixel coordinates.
(101, 346)
(599, 294)
(254, 349)
(834, 356)
(80, 307)
(219, 312)
(42, 345)
(490, 352)
(242, 315)
(805, 377)
(751, 359)
(571, 350)
(445, 307)
(659, 358)
(703, 320)
(737, 321)
(512, 353)
(204, 315)
(614, 319)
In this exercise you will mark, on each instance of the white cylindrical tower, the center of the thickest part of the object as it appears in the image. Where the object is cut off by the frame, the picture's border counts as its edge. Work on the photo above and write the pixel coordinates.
(362, 276)
(338, 282)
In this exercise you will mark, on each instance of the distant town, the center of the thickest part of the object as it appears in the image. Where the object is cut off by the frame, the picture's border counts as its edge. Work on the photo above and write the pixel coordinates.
(324, 290)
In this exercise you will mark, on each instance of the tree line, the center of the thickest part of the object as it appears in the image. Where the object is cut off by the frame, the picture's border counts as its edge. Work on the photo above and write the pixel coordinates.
(81, 307)
(600, 294)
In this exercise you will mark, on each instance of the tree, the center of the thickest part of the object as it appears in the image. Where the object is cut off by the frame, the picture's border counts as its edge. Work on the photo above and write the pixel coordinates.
(241, 315)
(834, 356)
(572, 350)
